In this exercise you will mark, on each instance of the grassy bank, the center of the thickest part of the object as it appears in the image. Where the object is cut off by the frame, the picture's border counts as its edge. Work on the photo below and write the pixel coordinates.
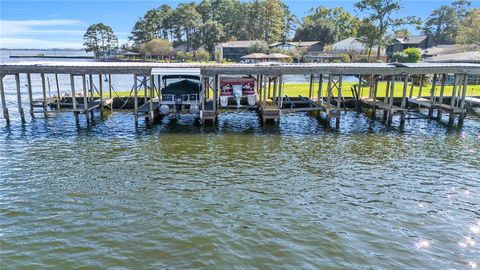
(302, 89)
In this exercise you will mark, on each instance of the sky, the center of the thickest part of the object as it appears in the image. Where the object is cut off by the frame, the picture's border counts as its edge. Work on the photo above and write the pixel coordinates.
(61, 23)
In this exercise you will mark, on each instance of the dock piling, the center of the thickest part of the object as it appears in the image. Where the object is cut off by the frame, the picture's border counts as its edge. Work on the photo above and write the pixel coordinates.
(4, 104)
(44, 93)
(19, 97)
(74, 98)
(30, 95)
(58, 91)
(85, 99)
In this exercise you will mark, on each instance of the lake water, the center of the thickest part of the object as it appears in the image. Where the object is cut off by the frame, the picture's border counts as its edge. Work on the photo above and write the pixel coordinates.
(239, 195)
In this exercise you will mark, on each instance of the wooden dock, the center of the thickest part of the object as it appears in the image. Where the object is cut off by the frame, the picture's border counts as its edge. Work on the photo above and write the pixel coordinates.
(271, 102)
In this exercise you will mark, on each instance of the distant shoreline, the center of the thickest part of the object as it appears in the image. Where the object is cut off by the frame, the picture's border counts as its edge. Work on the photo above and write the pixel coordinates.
(52, 56)
(52, 49)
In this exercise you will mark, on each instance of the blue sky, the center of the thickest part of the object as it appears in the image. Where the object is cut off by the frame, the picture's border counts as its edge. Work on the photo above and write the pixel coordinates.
(61, 23)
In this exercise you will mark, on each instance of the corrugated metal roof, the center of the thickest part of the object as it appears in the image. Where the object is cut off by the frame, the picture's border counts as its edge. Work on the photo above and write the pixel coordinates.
(259, 68)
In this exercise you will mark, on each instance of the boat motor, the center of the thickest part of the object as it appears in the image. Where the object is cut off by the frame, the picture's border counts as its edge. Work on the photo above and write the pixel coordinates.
(237, 93)
(164, 109)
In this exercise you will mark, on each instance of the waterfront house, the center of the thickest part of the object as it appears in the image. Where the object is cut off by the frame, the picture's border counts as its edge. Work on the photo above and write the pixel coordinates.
(399, 44)
(233, 50)
(351, 45)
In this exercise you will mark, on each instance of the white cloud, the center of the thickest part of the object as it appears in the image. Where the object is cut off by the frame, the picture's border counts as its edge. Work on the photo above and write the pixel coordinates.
(32, 43)
(41, 34)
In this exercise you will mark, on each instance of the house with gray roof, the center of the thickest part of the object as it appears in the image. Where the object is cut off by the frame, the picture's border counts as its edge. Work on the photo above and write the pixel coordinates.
(399, 44)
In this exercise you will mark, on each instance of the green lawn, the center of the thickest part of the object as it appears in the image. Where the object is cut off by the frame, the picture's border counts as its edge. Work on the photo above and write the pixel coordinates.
(302, 89)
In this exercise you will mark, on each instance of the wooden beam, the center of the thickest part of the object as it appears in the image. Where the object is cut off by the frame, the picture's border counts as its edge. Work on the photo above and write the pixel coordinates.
(74, 99)
(4, 103)
(19, 97)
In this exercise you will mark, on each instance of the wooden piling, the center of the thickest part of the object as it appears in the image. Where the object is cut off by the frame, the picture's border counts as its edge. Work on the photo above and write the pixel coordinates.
(451, 116)
(74, 98)
(100, 89)
(44, 93)
(4, 103)
(404, 101)
(442, 93)
(30, 94)
(320, 91)
(462, 115)
(135, 99)
(432, 95)
(374, 97)
(280, 90)
(58, 91)
(85, 99)
(152, 85)
(19, 97)
(310, 92)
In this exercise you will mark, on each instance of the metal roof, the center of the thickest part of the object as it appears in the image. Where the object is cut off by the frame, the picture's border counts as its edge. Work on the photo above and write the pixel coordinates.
(145, 68)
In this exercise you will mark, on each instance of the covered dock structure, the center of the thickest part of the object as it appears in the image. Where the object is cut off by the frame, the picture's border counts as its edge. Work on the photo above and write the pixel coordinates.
(326, 87)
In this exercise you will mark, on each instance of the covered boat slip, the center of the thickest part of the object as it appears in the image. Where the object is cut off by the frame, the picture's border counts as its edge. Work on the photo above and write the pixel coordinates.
(325, 96)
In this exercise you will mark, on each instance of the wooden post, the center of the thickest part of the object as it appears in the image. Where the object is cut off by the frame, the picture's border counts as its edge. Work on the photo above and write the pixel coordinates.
(451, 116)
(100, 89)
(421, 85)
(390, 102)
(44, 92)
(411, 87)
(269, 86)
(274, 96)
(135, 99)
(374, 97)
(74, 98)
(30, 95)
(280, 91)
(110, 88)
(19, 97)
(152, 85)
(260, 87)
(4, 104)
(329, 90)
(320, 91)
(386, 100)
(216, 83)
(432, 95)
(387, 89)
(145, 93)
(58, 91)
(404, 101)
(462, 100)
(265, 93)
(310, 92)
(340, 92)
(442, 92)
(90, 83)
(85, 98)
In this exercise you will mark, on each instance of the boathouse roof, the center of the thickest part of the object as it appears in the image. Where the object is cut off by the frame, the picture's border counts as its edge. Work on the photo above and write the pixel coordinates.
(146, 68)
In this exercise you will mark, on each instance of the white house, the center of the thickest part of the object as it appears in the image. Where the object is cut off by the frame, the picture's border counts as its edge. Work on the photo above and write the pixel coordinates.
(351, 45)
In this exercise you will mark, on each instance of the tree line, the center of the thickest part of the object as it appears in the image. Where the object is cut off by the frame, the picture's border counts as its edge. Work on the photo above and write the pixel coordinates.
(210, 22)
